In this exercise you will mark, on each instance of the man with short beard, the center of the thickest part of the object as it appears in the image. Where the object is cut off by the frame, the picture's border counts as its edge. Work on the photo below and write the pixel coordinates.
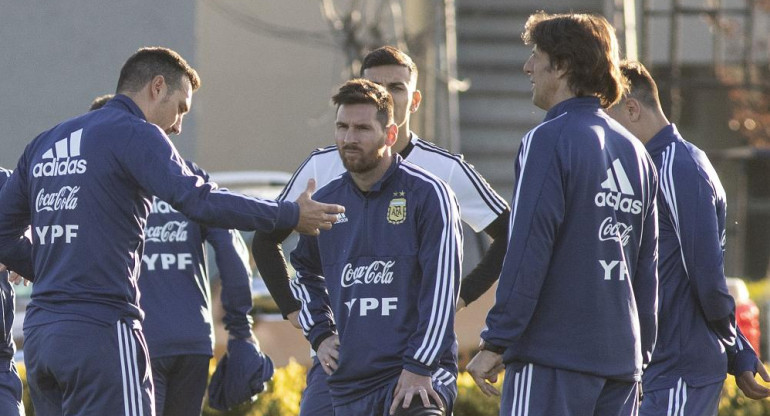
(481, 208)
(176, 298)
(378, 291)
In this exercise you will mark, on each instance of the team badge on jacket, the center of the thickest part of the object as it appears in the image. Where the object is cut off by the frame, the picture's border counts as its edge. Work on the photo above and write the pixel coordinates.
(397, 208)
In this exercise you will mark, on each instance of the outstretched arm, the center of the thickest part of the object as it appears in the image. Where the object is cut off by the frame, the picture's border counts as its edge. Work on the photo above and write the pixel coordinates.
(154, 163)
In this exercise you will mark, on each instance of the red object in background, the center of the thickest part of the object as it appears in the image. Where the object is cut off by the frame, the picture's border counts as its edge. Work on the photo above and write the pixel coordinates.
(747, 318)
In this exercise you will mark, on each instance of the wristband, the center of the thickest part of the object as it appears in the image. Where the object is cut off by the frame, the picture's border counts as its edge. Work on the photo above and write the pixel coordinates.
(486, 346)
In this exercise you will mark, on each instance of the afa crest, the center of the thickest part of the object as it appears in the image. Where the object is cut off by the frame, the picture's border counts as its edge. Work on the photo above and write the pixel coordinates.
(397, 209)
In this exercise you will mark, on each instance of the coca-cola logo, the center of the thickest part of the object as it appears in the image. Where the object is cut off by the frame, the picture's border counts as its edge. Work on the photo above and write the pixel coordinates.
(65, 199)
(617, 231)
(170, 232)
(378, 273)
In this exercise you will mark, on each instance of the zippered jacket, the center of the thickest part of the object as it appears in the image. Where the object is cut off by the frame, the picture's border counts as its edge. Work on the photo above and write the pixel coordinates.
(385, 278)
(698, 340)
(578, 288)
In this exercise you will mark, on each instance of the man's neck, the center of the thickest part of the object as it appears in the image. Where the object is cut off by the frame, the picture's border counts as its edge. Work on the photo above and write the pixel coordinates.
(140, 100)
(365, 180)
(658, 122)
(404, 136)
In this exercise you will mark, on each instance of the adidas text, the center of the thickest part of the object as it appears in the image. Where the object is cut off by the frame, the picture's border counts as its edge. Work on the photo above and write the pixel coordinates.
(618, 202)
(58, 167)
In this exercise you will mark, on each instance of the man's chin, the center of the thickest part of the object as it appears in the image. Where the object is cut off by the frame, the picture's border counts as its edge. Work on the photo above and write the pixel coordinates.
(356, 167)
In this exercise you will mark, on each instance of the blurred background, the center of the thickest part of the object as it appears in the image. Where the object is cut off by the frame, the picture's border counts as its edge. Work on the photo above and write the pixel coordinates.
(268, 70)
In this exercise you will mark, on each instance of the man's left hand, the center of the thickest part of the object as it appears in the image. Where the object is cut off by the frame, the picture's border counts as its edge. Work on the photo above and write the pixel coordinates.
(410, 385)
(14, 277)
(749, 386)
(484, 367)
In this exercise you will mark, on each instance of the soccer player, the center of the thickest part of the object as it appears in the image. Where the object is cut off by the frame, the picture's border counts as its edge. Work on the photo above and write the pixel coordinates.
(481, 207)
(10, 383)
(85, 187)
(697, 338)
(179, 328)
(574, 318)
(378, 291)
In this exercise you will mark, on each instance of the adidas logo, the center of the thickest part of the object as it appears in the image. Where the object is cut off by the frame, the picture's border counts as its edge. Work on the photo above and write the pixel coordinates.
(341, 218)
(61, 158)
(618, 185)
(622, 179)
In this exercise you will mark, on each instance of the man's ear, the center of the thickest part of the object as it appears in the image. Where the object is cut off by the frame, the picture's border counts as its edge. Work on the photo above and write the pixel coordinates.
(561, 70)
(158, 87)
(633, 108)
(391, 134)
(416, 100)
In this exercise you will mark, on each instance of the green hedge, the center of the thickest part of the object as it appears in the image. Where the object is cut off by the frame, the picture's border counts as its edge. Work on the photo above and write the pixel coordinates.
(283, 393)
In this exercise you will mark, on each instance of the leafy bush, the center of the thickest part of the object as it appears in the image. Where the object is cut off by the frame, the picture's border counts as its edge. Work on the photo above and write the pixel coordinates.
(734, 403)
(281, 398)
(759, 290)
(28, 409)
(471, 401)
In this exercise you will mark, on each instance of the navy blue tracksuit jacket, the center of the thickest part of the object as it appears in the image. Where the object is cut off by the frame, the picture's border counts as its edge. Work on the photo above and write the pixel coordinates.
(385, 278)
(697, 336)
(578, 288)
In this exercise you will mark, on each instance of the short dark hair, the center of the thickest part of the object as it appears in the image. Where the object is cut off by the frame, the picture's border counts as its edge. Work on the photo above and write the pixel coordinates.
(149, 62)
(363, 91)
(585, 47)
(641, 84)
(389, 55)
(100, 101)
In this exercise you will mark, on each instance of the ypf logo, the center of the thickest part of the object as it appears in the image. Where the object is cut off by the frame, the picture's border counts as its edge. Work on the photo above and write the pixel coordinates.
(62, 159)
(618, 191)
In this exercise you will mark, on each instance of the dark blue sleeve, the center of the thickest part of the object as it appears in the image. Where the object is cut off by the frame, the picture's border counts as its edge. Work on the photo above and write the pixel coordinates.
(152, 160)
(693, 207)
(440, 257)
(309, 287)
(232, 259)
(745, 358)
(536, 214)
(15, 249)
(646, 276)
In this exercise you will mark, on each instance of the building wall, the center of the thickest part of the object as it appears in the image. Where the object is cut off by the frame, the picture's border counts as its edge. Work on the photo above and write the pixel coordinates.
(58, 56)
(269, 70)
(265, 100)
